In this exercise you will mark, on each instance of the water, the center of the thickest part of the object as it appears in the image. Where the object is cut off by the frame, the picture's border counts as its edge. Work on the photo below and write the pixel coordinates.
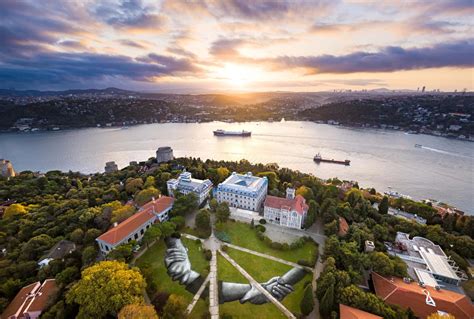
(442, 169)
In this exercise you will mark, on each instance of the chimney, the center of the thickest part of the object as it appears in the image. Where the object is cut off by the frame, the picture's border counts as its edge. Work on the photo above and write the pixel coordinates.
(115, 224)
(290, 193)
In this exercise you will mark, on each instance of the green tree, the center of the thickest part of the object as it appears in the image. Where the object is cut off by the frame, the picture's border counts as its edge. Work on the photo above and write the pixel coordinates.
(153, 233)
(14, 210)
(203, 222)
(306, 192)
(132, 185)
(381, 263)
(146, 195)
(175, 307)
(150, 182)
(213, 204)
(326, 305)
(122, 213)
(222, 212)
(167, 228)
(105, 288)
(307, 303)
(185, 204)
(77, 235)
(88, 255)
(383, 206)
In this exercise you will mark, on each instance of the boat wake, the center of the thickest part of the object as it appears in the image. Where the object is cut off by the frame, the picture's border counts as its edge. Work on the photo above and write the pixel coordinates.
(446, 152)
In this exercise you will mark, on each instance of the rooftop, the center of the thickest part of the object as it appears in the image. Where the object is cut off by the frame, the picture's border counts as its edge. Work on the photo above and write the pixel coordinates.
(147, 212)
(185, 181)
(347, 312)
(31, 298)
(61, 249)
(244, 182)
(422, 300)
(297, 204)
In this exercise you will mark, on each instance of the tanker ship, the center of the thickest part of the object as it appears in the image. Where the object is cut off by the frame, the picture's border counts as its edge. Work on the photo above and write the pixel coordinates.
(318, 159)
(232, 133)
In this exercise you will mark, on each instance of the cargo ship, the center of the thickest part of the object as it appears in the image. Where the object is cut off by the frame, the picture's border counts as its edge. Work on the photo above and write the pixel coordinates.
(318, 159)
(232, 133)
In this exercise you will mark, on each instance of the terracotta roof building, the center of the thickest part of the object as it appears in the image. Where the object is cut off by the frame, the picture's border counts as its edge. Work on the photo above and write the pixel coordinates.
(343, 227)
(422, 300)
(134, 227)
(289, 212)
(346, 312)
(31, 300)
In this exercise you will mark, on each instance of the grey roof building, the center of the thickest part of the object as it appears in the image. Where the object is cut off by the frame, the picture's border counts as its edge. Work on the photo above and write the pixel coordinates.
(185, 184)
(58, 251)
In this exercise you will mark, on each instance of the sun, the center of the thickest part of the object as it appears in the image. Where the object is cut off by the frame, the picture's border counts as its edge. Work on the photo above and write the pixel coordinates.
(237, 75)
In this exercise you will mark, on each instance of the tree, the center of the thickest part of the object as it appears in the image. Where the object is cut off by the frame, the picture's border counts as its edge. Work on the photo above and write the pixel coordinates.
(307, 303)
(203, 222)
(105, 288)
(167, 228)
(331, 228)
(146, 195)
(123, 252)
(213, 203)
(150, 182)
(306, 192)
(222, 173)
(14, 210)
(383, 206)
(153, 233)
(437, 315)
(88, 255)
(134, 311)
(327, 302)
(132, 185)
(185, 204)
(222, 212)
(122, 213)
(77, 235)
(175, 307)
(381, 264)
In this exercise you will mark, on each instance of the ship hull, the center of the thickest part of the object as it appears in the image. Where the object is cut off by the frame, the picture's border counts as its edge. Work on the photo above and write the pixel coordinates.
(322, 160)
(242, 134)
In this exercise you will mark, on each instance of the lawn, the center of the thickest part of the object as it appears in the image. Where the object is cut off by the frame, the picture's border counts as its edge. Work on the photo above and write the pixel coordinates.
(226, 272)
(261, 269)
(242, 235)
(154, 259)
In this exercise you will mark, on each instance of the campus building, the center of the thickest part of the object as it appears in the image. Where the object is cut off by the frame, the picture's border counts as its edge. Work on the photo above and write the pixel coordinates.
(243, 191)
(289, 212)
(422, 300)
(185, 184)
(427, 261)
(134, 227)
(32, 300)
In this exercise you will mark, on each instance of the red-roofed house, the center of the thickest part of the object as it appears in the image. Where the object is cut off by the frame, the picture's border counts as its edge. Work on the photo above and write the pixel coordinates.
(343, 227)
(346, 312)
(289, 212)
(134, 227)
(31, 300)
(422, 300)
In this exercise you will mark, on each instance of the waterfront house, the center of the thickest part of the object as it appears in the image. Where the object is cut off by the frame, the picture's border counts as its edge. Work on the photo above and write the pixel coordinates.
(134, 227)
(243, 191)
(289, 212)
(185, 184)
(32, 300)
(422, 300)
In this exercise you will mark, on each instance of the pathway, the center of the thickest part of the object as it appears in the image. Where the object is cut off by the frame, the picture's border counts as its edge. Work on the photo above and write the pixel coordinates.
(269, 296)
(198, 295)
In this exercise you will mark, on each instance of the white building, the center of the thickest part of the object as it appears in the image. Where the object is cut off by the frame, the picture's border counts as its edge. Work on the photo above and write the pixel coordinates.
(185, 184)
(134, 227)
(242, 191)
(289, 212)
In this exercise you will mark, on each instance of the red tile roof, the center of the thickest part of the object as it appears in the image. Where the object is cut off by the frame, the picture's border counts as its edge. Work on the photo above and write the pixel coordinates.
(297, 204)
(128, 226)
(411, 295)
(32, 298)
(343, 226)
(347, 312)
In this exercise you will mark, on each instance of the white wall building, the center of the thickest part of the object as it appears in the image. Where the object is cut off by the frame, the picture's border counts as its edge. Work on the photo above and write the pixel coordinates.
(289, 212)
(134, 227)
(185, 184)
(242, 191)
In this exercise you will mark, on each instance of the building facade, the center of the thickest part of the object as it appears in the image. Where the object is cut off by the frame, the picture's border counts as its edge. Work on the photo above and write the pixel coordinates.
(6, 168)
(111, 167)
(164, 154)
(134, 227)
(185, 184)
(288, 212)
(243, 191)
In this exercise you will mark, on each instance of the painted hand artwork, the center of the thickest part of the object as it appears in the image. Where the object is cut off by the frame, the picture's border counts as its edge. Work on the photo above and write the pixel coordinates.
(179, 269)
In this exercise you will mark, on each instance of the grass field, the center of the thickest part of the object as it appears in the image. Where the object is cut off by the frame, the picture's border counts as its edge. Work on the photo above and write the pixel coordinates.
(261, 269)
(154, 258)
(242, 235)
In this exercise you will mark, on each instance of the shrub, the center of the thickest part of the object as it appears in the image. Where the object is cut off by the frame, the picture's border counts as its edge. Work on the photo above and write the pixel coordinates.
(262, 221)
(223, 236)
(207, 254)
(260, 235)
(305, 263)
(159, 301)
(260, 228)
(197, 241)
(276, 245)
(285, 246)
(224, 247)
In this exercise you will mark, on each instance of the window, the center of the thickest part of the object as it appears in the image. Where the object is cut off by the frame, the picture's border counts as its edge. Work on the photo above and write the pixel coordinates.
(142, 231)
(136, 236)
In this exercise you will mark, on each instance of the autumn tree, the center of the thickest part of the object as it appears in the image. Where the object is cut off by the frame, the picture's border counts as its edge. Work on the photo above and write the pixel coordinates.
(222, 173)
(14, 210)
(437, 315)
(132, 185)
(122, 213)
(175, 308)
(146, 195)
(105, 288)
(134, 311)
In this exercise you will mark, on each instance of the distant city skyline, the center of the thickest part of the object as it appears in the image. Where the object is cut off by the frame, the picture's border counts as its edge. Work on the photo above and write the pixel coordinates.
(231, 45)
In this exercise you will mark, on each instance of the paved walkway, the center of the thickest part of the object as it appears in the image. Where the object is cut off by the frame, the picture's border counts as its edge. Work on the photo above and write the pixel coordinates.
(213, 290)
(198, 295)
(282, 261)
(269, 296)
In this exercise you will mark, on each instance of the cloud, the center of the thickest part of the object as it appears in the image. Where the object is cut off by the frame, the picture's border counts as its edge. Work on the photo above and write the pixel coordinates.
(389, 59)
(133, 44)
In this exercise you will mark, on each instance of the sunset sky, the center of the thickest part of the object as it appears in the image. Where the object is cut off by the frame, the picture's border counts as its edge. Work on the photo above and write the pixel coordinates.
(206, 46)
